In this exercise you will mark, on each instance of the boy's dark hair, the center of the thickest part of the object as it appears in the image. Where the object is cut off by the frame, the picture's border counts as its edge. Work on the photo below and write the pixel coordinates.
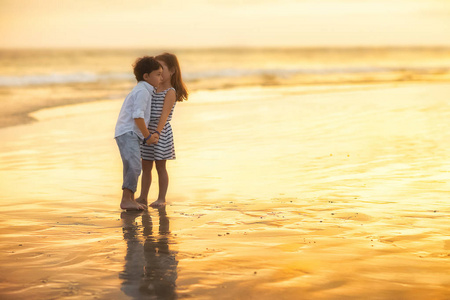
(146, 64)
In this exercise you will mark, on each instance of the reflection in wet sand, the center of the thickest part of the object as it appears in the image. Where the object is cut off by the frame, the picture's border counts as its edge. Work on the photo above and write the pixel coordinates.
(150, 269)
(349, 200)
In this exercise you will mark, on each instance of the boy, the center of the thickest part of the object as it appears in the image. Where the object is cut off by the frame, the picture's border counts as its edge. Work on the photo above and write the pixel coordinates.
(131, 128)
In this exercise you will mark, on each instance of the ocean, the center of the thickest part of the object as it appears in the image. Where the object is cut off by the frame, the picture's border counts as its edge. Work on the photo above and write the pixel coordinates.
(35, 79)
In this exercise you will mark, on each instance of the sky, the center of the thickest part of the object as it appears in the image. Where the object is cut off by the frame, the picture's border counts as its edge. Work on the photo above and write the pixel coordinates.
(222, 23)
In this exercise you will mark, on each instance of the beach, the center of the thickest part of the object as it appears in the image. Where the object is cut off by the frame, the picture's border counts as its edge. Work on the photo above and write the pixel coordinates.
(335, 191)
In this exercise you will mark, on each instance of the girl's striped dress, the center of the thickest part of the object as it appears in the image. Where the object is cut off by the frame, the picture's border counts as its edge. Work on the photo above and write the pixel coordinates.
(164, 149)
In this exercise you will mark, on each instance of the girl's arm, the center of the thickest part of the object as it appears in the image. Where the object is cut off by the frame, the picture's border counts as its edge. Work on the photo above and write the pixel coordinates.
(169, 102)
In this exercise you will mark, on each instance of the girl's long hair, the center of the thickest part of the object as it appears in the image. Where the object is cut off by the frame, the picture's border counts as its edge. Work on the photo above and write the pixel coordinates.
(176, 80)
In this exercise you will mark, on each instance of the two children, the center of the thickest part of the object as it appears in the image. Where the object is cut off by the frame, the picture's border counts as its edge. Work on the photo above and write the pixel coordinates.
(143, 127)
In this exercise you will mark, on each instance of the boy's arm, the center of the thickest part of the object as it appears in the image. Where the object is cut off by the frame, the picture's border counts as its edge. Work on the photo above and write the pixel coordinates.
(138, 114)
(151, 138)
(140, 123)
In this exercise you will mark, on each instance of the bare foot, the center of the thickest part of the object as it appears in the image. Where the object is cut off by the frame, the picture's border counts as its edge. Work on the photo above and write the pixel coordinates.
(129, 204)
(142, 201)
(158, 204)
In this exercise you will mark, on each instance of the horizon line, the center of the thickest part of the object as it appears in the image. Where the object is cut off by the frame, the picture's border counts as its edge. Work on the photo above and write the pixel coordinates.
(236, 47)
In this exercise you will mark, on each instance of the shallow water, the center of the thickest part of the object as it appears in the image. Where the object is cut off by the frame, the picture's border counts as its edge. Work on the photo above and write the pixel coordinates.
(40, 78)
(274, 194)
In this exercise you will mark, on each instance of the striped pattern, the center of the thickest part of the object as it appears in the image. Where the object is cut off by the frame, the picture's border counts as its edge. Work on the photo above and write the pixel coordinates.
(165, 149)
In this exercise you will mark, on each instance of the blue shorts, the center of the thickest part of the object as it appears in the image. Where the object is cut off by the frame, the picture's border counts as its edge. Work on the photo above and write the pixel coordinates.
(130, 151)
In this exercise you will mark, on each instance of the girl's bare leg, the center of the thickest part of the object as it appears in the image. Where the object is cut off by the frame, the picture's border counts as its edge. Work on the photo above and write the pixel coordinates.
(163, 178)
(146, 181)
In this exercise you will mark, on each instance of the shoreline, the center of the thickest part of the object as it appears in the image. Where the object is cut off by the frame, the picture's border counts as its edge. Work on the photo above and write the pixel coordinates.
(25, 116)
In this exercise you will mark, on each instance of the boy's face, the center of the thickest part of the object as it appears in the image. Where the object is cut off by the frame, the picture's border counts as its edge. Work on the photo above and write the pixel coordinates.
(154, 78)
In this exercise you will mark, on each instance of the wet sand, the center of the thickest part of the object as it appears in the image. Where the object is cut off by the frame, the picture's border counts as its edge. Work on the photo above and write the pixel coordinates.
(276, 193)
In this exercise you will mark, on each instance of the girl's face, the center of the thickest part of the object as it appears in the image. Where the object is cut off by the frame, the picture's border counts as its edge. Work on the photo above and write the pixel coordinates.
(166, 73)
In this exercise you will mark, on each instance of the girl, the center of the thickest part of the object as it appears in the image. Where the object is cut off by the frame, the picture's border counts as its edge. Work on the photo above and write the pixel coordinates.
(170, 90)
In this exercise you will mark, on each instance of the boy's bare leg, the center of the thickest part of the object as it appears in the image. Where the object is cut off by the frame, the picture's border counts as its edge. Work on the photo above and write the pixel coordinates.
(128, 201)
(163, 178)
(146, 181)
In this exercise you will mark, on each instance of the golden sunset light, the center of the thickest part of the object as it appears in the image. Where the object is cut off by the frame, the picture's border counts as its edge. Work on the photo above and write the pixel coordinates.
(224, 149)
(217, 23)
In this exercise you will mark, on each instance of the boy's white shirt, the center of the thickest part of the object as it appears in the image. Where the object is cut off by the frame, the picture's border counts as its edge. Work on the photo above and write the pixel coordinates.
(136, 105)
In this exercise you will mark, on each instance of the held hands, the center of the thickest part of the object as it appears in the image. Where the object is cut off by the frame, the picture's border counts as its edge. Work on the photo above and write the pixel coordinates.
(153, 139)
